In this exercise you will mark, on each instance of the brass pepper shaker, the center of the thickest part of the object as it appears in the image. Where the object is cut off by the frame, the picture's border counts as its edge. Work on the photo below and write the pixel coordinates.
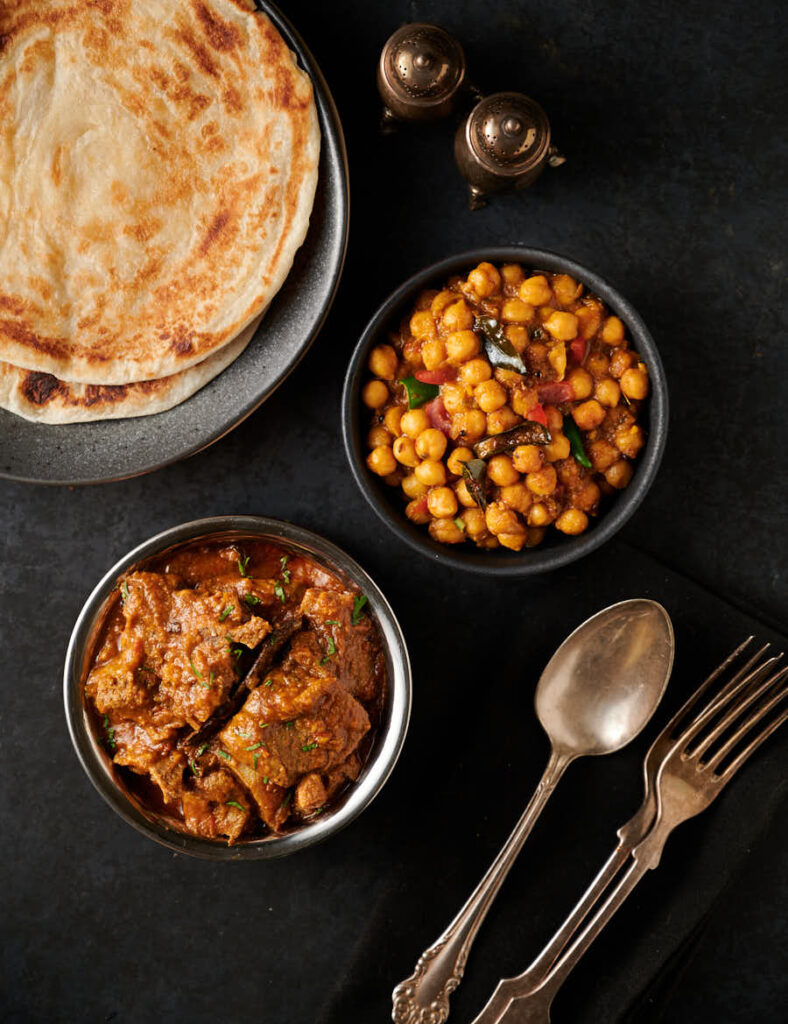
(503, 144)
(421, 73)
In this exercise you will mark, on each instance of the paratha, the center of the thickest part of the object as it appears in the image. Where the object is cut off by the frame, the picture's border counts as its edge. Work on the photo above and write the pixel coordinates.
(43, 398)
(158, 164)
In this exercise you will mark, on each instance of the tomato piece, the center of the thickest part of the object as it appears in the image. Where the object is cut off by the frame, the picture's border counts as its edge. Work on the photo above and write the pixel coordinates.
(555, 392)
(537, 414)
(438, 417)
(578, 347)
(440, 376)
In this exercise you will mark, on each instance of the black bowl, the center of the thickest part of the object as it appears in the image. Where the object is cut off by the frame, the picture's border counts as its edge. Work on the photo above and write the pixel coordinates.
(557, 549)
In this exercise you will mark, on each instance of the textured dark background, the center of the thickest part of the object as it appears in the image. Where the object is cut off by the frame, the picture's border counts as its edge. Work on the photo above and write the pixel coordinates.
(670, 115)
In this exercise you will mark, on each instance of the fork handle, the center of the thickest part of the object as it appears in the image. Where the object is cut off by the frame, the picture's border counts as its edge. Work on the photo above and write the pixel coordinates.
(423, 998)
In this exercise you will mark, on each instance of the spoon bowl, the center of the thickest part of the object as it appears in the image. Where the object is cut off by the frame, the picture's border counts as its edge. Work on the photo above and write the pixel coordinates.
(604, 682)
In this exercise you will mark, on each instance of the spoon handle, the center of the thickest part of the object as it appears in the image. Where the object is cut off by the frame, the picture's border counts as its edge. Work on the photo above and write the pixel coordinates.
(423, 998)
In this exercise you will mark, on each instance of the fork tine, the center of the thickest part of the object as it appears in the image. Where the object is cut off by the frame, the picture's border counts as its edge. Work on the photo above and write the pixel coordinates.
(752, 746)
(747, 692)
(753, 718)
(731, 690)
(693, 702)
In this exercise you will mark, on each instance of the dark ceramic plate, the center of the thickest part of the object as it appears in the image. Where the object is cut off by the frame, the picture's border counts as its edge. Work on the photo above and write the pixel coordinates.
(557, 550)
(80, 453)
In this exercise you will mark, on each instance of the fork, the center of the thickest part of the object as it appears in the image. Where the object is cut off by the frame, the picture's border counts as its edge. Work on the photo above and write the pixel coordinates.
(686, 768)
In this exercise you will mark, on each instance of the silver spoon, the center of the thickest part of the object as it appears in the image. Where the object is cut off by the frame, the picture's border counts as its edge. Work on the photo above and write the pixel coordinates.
(597, 692)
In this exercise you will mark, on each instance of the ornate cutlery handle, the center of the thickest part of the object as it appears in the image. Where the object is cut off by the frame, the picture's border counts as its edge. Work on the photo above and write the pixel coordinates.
(423, 998)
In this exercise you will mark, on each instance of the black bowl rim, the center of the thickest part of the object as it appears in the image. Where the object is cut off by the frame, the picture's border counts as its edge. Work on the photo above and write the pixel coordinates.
(378, 767)
(509, 564)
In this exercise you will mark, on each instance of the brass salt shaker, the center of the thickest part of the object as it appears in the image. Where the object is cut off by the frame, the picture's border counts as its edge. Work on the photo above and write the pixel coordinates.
(503, 144)
(421, 74)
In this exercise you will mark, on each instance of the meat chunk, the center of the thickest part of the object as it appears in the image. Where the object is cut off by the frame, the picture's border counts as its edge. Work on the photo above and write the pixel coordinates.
(330, 613)
(215, 805)
(310, 795)
(272, 800)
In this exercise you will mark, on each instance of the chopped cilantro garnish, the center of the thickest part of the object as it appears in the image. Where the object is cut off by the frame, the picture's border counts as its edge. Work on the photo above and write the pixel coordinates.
(243, 735)
(332, 649)
(309, 746)
(242, 564)
(333, 622)
(286, 801)
(227, 611)
(358, 608)
(234, 803)
(224, 754)
(202, 750)
(124, 589)
(110, 733)
(194, 670)
(264, 725)
(289, 725)
(265, 780)
(254, 746)
(279, 590)
(251, 599)
(268, 682)
(459, 524)
(255, 759)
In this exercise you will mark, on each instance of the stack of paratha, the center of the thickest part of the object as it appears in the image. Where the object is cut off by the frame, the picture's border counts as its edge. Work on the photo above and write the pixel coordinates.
(158, 164)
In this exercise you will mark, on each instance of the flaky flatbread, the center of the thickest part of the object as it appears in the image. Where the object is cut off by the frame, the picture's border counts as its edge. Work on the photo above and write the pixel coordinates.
(158, 163)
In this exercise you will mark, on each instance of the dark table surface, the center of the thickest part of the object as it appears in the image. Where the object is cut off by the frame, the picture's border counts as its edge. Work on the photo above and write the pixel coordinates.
(670, 115)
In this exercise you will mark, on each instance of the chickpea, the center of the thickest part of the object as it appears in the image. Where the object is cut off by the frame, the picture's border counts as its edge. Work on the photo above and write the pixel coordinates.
(502, 419)
(489, 395)
(469, 424)
(378, 436)
(539, 515)
(393, 418)
(566, 289)
(413, 422)
(589, 318)
(412, 487)
(501, 471)
(613, 331)
(431, 444)
(517, 496)
(456, 459)
(557, 359)
(619, 474)
(542, 482)
(597, 364)
(422, 326)
(608, 392)
(431, 473)
(587, 497)
(416, 511)
(582, 382)
(405, 451)
(411, 353)
(441, 301)
(442, 503)
(558, 448)
(555, 420)
(446, 531)
(535, 290)
(527, 458)
(562, 326)
(475, 371)
(502, 519)
(383, 362)
(433, 353)
(475, 522)
(457, 316)
(464, 496)
(462, 346)
(515, 311)
(484, 280)
(512, 275)
(588, 415)
(544, 313)
(629, 440)
(602, 454)
(375, 394)
(534, 537)
(634, 383)
(381, 460)
(518, 336)
(573, 521)
(509, 378)
(620, 362)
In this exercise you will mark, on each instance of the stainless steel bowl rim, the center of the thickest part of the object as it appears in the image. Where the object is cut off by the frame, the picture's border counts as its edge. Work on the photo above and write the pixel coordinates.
(392, 730)
(507, 564)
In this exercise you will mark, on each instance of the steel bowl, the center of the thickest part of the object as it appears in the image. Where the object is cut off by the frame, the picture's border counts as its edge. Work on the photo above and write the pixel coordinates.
(387, 742)
(556, 550)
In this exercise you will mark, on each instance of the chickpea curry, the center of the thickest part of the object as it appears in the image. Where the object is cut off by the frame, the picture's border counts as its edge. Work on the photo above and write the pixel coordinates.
(236, 687)
(505, 403)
